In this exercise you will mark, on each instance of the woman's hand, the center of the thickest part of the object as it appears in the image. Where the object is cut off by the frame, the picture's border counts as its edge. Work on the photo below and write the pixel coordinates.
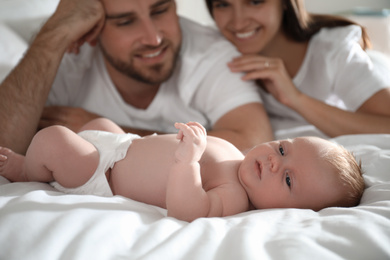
(272, 72)
(371, 117)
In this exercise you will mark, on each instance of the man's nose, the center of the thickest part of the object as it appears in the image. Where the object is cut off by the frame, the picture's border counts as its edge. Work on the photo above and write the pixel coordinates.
(151, 35)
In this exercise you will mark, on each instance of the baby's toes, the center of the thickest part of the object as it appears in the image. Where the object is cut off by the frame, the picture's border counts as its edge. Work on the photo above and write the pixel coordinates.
(4, 151)
(3, 162)
(4, 154)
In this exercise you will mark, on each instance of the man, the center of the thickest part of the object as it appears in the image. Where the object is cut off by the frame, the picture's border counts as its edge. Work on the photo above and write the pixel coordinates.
(145, 70)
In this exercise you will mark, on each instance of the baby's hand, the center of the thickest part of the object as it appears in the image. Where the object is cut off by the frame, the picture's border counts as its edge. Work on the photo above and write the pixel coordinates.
(193, 142)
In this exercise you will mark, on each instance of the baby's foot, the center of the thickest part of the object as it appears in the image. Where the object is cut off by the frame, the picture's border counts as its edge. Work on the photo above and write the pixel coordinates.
(11, 165)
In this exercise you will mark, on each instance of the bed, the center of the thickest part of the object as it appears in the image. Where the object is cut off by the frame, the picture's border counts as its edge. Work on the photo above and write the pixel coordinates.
(38, 222)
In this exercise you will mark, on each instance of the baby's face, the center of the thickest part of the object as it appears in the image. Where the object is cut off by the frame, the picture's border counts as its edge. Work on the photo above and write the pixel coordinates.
(289, 174)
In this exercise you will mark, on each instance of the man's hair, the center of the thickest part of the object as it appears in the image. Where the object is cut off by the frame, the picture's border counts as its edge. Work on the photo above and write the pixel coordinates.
(350, 174)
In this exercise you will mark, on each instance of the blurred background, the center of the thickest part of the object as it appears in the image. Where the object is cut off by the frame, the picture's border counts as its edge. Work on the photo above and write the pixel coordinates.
(373, 14)
(25, 17)
(196, 9)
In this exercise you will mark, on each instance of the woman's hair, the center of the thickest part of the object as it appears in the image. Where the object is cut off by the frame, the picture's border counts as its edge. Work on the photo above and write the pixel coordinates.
(300, 25)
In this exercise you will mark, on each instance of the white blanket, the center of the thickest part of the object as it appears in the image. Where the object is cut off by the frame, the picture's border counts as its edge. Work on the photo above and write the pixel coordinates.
(37, 222)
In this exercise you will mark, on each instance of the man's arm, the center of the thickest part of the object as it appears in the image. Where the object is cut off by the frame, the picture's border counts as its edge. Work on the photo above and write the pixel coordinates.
(25, 90)
(75, 118)
(245, 126)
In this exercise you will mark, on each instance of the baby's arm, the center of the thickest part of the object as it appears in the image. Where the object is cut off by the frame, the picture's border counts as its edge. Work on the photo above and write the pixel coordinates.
(192, 144)
(186, 198)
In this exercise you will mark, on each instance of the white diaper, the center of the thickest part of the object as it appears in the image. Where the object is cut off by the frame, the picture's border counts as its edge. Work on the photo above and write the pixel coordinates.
(111, 148)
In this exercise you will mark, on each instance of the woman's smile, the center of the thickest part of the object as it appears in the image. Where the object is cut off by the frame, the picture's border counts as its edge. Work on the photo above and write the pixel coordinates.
(246, 35)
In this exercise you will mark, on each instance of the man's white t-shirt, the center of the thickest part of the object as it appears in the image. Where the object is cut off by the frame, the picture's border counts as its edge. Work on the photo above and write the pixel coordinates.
(201, 89)
(335, 70)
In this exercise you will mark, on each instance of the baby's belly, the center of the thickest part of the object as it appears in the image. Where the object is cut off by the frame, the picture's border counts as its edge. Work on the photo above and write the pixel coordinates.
(142, 175)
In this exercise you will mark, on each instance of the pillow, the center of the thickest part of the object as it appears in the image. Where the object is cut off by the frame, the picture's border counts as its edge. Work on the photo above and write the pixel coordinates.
(195, 10)
(26, 17)
(12, 48)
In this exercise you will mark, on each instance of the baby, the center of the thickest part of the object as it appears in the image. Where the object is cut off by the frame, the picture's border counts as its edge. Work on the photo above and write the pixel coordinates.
(190, 174)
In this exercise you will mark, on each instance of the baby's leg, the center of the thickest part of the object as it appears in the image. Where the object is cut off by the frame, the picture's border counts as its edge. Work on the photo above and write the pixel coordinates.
(102, 124)
(11, 165)
(58, 154)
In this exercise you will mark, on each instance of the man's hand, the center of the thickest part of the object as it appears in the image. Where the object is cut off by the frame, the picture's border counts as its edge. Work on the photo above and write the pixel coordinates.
(72, 117)
(79, 22)
(193, 142)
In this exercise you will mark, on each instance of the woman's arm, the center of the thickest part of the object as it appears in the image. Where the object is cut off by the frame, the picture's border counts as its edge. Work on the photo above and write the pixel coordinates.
(372, 117)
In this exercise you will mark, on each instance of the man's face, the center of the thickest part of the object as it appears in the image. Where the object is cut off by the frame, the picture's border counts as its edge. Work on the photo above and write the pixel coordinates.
(141, 38)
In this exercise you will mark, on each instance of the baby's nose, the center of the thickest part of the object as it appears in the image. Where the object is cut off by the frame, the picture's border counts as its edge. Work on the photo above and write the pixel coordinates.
(274, 163)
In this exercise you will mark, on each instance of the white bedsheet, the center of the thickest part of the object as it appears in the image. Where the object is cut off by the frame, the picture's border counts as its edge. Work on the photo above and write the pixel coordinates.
(37, 222)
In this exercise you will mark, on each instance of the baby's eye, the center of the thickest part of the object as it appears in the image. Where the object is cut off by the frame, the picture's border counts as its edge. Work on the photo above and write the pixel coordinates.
(288, 180)
(281, 150)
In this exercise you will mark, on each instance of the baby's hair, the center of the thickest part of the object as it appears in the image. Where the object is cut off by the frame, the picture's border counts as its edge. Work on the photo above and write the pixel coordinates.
(350, 173)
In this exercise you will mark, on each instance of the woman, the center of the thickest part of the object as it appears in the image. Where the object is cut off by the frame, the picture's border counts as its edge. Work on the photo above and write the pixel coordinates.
(313, 68)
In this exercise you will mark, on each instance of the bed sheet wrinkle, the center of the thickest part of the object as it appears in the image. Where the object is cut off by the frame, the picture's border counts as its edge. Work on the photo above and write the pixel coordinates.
(3, 181)
(23, 231)
(155, 233)
(298, 246)
(191, 240)
(93, 234)
(231, 234)
(376, 193)
(21, 188)
(259, 234)
(379, 212)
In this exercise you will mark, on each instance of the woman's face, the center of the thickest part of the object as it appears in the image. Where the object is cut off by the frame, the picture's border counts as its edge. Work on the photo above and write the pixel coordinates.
(253, 26)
